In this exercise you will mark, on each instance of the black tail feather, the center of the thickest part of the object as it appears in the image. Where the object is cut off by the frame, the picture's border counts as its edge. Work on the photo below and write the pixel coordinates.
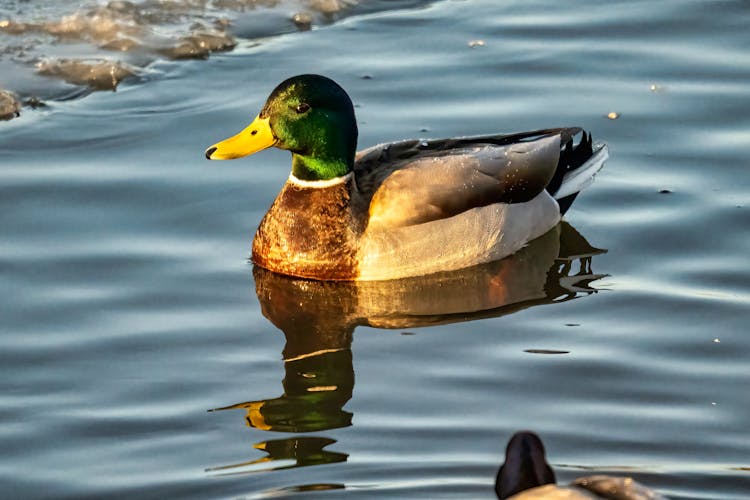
(566, 202)
(572, 156)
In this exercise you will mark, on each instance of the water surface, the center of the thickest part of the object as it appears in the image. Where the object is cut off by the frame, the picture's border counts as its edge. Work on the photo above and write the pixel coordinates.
(142, 355)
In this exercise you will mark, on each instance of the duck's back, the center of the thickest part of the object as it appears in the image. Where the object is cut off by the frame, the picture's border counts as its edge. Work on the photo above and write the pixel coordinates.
(592, 487)
(412, 182)
(436, 205)
(555, 492)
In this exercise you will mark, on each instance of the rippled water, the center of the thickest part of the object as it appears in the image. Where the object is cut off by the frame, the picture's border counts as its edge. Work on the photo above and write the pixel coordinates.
(141, 355)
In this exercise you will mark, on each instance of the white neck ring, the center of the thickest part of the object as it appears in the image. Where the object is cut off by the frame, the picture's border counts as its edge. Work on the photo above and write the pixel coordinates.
(320, 184)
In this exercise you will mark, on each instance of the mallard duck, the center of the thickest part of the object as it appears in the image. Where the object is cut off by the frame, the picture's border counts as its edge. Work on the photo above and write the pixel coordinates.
(526, 475)
(406, 208)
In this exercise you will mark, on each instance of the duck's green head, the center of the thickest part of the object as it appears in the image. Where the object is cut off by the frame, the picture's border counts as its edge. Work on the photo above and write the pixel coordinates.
(309, 115)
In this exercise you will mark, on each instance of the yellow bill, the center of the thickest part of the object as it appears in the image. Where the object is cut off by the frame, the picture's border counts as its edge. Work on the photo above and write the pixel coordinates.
(257, 136)
(255, 417)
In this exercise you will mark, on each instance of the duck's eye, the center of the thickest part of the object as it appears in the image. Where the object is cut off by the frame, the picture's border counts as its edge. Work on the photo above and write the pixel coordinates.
(302, 108)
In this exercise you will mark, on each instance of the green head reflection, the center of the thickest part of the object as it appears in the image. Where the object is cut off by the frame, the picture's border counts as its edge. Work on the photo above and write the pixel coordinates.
(316, 388)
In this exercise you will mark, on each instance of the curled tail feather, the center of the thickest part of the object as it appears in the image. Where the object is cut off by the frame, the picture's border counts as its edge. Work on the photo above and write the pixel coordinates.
(576, 168)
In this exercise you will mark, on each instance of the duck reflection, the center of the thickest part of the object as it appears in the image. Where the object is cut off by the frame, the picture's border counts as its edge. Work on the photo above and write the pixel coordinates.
(319, 318)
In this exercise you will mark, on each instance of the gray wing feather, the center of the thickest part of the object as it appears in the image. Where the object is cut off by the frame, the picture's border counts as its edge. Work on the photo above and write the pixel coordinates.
(416, 186)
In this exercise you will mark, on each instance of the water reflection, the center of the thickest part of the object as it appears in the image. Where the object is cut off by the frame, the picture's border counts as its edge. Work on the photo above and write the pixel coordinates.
(286, 454)
(319, 318)
(317, 385)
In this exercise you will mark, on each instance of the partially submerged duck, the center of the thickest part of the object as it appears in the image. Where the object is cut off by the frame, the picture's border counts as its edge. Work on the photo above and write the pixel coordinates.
(526, 475)
(406, 208)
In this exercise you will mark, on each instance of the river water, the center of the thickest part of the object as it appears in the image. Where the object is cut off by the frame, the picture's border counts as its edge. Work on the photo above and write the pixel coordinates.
(141, 355)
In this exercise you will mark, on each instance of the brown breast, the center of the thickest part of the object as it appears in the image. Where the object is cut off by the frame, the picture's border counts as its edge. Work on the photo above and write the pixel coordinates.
(309, 232)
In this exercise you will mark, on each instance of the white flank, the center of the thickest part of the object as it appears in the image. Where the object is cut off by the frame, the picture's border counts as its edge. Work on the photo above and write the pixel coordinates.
(476, 236)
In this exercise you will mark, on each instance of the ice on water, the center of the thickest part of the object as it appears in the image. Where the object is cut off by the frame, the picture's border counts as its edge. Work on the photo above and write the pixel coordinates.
(99, 44)
(97, 74)
(10, 106)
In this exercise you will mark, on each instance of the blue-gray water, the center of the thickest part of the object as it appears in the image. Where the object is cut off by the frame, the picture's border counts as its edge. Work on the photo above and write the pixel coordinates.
(129, 309)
